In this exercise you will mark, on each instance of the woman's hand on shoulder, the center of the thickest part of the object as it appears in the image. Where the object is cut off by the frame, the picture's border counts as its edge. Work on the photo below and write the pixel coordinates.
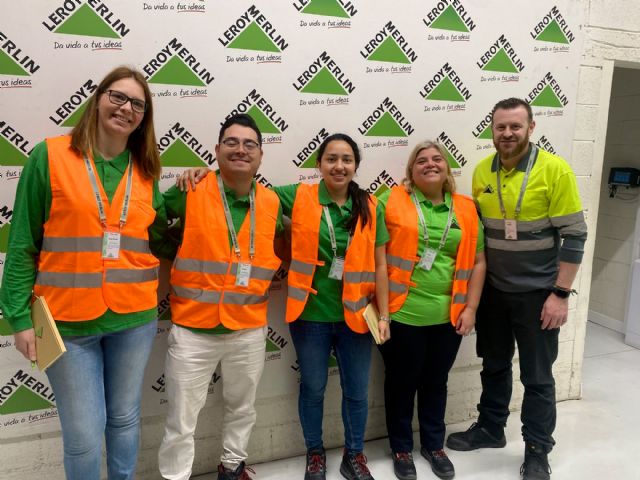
(191, 177)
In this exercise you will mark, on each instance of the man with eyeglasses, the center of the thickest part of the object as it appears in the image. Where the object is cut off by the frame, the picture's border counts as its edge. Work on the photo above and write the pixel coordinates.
(219, 290)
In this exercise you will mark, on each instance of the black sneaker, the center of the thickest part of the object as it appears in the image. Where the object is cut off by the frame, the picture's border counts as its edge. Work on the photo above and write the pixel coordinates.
(475, 437)
(440, 463)
(316, 465)
(240, 473)
(536, 465)
(354, 466)
(403, 466)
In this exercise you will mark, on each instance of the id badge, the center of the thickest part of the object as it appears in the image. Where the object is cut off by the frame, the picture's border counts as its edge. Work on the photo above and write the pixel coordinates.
(510, 229)
(243, 274)
(427, 259)
(111, 245)
(337, 268)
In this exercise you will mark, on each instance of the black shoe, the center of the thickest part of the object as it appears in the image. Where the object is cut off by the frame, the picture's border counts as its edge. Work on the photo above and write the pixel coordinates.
(316, 465)
(354, 466)
(536, 465)
(475, 437)
(440, 463)
(240, 473)
(403, 466)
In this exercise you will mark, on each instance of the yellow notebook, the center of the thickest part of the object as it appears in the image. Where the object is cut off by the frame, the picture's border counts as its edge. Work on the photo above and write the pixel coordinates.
(372, 317)
(49, 344)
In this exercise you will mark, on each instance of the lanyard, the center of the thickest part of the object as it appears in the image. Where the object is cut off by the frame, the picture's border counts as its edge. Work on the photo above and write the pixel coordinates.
(332, 233)
(423, 223)
(523, 187)
(98, 197)
(232, 229)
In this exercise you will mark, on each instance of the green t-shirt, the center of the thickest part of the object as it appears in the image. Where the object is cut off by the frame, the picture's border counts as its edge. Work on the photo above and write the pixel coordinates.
(327, 306)
(428, 303)
(30, 212)
(176, 206)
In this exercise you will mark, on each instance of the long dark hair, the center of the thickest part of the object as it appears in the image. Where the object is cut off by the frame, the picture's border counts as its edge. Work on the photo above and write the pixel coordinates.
(359, 198)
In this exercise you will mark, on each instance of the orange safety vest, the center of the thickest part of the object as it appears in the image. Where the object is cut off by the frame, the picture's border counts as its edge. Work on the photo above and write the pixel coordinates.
(401, 219)
(203, 289)
(359, 279)
(76, 281)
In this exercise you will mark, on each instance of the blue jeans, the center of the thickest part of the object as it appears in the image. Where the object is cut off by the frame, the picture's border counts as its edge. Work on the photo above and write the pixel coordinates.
(98, 387)
(313, 342)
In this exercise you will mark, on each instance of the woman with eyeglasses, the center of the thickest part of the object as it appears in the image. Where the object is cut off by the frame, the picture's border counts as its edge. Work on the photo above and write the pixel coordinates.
(88, 214)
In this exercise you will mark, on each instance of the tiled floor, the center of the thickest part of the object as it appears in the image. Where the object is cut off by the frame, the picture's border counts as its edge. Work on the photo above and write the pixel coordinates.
(597, 437)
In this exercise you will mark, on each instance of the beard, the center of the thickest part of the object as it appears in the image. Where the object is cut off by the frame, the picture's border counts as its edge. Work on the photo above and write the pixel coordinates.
(512, 151)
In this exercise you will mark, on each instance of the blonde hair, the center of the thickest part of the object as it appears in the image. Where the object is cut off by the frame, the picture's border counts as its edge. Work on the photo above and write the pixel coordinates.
(407, 181)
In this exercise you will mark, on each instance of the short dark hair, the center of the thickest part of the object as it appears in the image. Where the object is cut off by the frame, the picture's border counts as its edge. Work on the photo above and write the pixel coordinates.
(510, 104)
(240, 119)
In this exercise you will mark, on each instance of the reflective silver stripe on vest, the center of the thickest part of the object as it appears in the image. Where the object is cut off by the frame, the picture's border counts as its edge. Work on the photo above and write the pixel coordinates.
(460, 298)
(69, 280)
(259, 273)
(234, 298)
(396, 287)
(400, 263)
(195, 294)
(127, 275)
(523, 225)
(520, 245)
(297, 293)
(91, 244)
(301, 267)
(200, 266)
(359, 277)
(133, 244)
(463, 274)
(357, 305)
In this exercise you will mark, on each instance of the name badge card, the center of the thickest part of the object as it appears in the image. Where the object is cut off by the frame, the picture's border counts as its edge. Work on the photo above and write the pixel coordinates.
(243, 274)
(111, 245)
(337, 268)
(510, 230)
(427, 259)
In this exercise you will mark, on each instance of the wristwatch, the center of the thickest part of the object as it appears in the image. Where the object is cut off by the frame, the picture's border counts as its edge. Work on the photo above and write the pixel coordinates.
(384, 318)
(561, 292)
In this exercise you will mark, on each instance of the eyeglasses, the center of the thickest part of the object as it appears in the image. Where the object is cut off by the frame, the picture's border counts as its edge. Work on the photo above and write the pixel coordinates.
(249, 145)
(119, 98)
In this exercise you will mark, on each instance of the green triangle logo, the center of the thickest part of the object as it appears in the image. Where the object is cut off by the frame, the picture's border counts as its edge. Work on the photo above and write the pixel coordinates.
(271, 347)
(501, 63)
(73, 120)
(24, 400)
(386, 126)
(389, 51)
(546, 98)
(453, 163)
(333, 361)
(330, 8)
(8, 66)
(166, 315)
(324, 82)
(553, 33)
(381, 191)
(264, 124)
(449, 20)
(176, 72)
(179, 155)
(486, 134)
(445, 90)
(10, 156)
(254, 38)
(5, 329)
(86, 22)
(312, 161)
(4, 237)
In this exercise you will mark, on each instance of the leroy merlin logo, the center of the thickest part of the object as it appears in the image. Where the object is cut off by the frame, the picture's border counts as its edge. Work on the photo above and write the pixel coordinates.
(174, 65)
(159, 384)
(164, 310)
(324, 76)
(24, 393)
(547, 93)
(546, 145)
(70, 112)
(386, 121)
(389, 46)
(262, 112)
(445, 85)
(4, 235)
(179, 148)
(252, 31)
(553, 28)
(381, 184)
(329, 8)
(14, 148)
(449, 15)
(91, 18)
(13, 61)
(454, 155)
(501, 57)
(275, 344)
(5, 329)
(483, 129)
(308, 156)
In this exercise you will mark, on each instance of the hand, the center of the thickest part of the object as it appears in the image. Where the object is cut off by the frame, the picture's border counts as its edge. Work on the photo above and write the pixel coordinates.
(466, 321)
(384, 331)
(25, 342)
(191, 177)
(554, 312)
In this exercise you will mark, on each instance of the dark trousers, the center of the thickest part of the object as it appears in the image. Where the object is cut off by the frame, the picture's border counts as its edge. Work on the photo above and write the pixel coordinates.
(505, 319)
(417, 359)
